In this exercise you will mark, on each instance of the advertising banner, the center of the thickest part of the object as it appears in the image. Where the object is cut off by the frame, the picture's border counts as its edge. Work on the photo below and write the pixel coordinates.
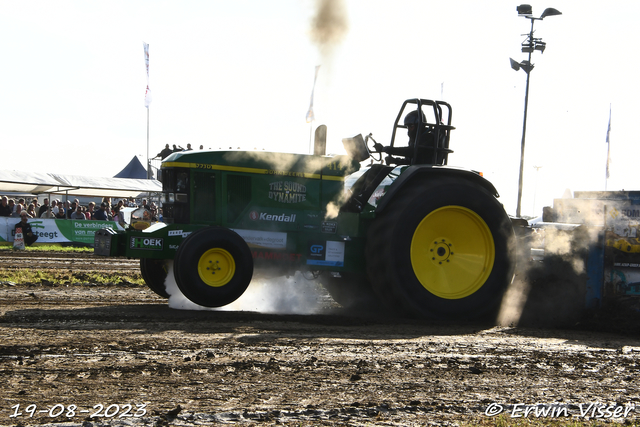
(56, 230)
(622, 248)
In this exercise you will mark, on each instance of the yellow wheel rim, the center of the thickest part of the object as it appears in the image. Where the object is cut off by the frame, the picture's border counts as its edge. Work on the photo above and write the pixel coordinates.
(452, 252)
(216, 267)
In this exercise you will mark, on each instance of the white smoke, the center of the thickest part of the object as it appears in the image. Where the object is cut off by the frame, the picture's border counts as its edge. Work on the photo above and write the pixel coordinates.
(281, 295)
(177, 299)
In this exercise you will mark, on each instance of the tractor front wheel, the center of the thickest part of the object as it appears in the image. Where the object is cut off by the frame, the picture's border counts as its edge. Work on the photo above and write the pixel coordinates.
(213, 267)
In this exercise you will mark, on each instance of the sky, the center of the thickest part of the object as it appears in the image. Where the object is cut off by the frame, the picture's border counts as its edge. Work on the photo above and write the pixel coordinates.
(240, 73)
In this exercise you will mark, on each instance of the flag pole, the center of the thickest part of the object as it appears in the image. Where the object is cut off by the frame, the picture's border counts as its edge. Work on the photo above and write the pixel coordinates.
(147, 101)
(149, 172)
(606, 179)
(310, 116)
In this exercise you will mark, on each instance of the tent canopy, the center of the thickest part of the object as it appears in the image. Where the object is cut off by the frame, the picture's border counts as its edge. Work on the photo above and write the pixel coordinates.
(133, 170)
(75, 185)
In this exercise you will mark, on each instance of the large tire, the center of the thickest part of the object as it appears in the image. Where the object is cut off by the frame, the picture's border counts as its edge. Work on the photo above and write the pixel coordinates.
(213, 266)
(442, 249)
(351, 291)
(154, 274)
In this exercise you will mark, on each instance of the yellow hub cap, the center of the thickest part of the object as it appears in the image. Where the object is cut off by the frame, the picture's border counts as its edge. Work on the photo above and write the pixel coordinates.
(216, 267)
(452, 252)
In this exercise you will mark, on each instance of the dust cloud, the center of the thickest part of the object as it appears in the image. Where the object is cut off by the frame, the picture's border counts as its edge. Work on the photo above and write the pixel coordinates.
(329, 26)
(549, 289)
(280, 295)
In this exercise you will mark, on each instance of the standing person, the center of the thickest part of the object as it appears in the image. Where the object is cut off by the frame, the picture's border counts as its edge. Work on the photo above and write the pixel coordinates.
(31, 210)
(165, 152)
(89, 213)
(101, 214)
(43, 208)
(17, 211)
(177, 148)
(77, 214)
(5, 209)
(69, 208)
(91, 210)
(109, 212)
(117, 210)
(48, 214)
(61, 214)
(188, 148)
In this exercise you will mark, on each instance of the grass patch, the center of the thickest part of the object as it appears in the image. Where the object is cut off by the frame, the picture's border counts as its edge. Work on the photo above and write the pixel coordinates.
(50, 248)
(52, 278)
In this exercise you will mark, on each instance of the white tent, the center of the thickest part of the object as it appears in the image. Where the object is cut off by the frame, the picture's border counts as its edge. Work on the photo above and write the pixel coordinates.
(75, 185)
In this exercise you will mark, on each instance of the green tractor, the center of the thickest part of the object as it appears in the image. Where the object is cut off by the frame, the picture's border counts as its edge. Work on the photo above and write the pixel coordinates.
(408, 231)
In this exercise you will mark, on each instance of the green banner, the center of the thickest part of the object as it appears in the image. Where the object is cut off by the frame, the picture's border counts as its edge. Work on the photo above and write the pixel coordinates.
(57, 230)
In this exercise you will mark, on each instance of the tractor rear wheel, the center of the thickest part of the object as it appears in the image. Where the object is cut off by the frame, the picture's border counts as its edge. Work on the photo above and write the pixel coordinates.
(351, 291)
(442, 249)
(213, 266)
(154, 273)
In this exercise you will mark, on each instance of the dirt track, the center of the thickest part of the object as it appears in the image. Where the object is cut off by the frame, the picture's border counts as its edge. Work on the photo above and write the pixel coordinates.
(88, 345)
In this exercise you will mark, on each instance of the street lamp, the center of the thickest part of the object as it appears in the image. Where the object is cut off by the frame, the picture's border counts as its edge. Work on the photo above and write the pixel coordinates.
(528, 46)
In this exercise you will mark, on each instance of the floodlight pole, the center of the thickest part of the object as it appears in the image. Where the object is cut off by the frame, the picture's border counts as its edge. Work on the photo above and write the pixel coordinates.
(529, 45)
(524, 129)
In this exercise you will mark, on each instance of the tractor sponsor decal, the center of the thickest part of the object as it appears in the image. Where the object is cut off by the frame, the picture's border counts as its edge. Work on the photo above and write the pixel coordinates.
(276, 256)
(154, 244)
(326, 253)
(179, 233)
(263, 239)
(262, 216)
(329, 227)
(287, 192)
(285, 173)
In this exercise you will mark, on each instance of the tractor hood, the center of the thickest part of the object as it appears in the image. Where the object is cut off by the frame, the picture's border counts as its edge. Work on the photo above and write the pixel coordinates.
(270, 163)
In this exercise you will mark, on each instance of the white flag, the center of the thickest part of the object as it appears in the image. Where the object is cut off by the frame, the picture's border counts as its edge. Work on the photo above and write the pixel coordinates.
(147, 93)
(310, 116)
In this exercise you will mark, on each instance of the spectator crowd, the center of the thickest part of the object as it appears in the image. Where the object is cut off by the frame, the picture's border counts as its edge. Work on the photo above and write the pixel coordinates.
(58, 209)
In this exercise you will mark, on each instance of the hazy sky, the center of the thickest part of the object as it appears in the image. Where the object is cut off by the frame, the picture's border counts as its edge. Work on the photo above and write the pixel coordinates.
(240, 73)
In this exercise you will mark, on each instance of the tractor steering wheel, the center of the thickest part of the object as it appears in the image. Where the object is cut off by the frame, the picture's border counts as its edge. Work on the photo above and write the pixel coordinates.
(373, 152)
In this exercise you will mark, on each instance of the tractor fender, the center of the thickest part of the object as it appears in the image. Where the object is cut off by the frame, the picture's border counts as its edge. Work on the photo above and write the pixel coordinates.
(432, 172)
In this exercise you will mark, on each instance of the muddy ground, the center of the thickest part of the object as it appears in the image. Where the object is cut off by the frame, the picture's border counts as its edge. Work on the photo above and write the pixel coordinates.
(93, 355)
